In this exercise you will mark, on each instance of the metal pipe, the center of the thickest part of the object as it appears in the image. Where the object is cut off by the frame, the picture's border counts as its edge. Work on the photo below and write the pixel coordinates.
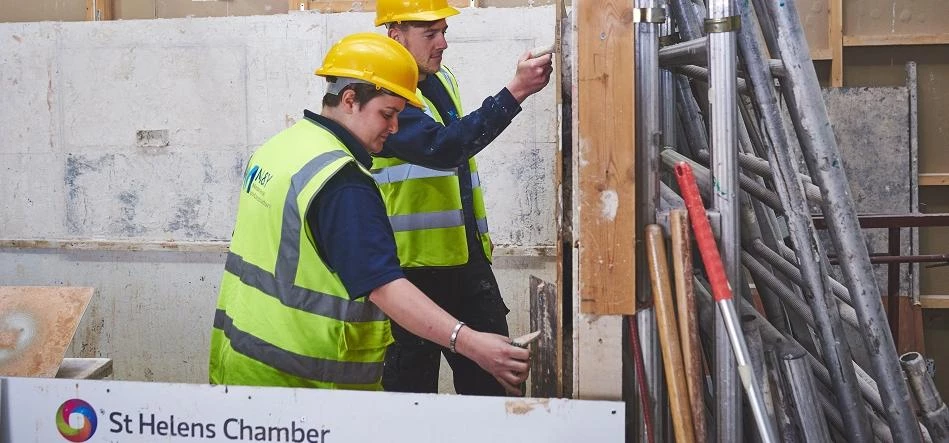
(790, 270)
(701, 73)
(755, 345)
(725, 194)
(819, 146)
(797, 374)
(771, 335)
(683, 12)
(783, 406)
(763, 219)
(817, 286)
(690, 52)
(789, 257)
(646, 433)
(761, 167)
(753, 228)
(688, 320)
(932, 410)
(648, 135)
(680, 408)
(893, 283)
(830, 412)
(693, 123)
(766, 196)
(717, 273)
(667, 88)
(912, 86)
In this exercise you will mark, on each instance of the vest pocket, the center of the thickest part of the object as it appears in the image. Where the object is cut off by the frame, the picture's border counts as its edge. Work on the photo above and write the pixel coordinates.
(366, 336)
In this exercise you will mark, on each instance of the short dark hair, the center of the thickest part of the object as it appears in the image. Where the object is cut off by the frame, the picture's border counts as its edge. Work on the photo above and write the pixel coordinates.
(364, 93)
(403, 26)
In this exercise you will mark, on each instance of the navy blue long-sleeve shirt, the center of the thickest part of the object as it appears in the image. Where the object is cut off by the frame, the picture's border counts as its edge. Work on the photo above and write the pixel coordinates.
(423, 141)
(349, 223)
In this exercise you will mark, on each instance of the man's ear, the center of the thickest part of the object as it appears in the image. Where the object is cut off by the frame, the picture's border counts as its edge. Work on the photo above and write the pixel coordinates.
(347, 100)
(396, 34)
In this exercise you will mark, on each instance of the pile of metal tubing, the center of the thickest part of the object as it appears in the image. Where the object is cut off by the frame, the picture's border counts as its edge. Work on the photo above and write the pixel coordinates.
(780, 365)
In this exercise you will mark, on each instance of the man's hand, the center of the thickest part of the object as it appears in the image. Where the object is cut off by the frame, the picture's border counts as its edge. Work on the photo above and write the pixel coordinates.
(495, 354)
(531, 76)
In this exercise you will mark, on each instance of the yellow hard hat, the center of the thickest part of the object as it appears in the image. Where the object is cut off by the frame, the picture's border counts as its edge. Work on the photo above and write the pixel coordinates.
(375, 59)
(388, 11)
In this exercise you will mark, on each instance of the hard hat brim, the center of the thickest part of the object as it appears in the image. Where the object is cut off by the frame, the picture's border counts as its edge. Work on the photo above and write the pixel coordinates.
(408, 95)
(426, 16)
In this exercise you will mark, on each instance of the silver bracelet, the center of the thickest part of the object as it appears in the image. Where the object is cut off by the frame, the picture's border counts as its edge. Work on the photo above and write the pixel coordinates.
(454, 337)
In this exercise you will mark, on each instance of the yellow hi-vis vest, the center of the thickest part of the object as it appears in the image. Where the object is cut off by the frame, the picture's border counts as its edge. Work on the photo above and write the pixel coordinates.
(283, 317)
(424, 204)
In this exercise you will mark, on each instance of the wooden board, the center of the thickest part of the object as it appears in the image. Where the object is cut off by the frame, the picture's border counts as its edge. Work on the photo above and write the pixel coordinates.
(605, 157)
(353, 5)
(910, 324)
(895, 17)
(872, 66)
(815, 18)
(98, 10)
(37, 323)
(85, 368)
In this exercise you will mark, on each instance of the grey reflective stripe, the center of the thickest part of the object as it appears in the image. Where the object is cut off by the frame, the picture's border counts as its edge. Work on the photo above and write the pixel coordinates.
(427, 220)
(448, 80)
(475, 180)
(408, 171)
(429, 111)
(483, 225)
(314, 302)
(288, 257)
(297, 365)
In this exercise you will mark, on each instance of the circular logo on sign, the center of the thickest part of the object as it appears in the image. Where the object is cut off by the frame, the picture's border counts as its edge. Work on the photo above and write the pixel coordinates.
(76, 420)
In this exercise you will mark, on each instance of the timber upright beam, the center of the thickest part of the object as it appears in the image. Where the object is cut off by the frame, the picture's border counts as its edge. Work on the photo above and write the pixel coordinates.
(604, 194)
(98, 10)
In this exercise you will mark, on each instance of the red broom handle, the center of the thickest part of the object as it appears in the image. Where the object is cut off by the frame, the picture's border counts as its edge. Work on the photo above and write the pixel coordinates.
(703, 233)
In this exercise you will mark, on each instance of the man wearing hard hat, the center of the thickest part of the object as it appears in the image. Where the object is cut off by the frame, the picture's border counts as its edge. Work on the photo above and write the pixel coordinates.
(429, 180)
(312, 275)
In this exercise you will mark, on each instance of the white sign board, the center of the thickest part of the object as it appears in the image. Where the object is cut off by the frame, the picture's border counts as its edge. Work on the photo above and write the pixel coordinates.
(59, 410)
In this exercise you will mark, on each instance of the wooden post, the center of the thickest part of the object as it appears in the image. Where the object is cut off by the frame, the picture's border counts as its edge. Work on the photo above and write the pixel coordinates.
(298, 5)
(606, 156)
(603, 197)
(836, 42)
(98, 10)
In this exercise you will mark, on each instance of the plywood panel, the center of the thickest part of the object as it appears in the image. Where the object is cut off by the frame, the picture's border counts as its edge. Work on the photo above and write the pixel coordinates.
(36, 325)
(934, 241)
(605, 157)
(879, 66)
(895, 17)
(936, 328)
(134, 9)
(815, 17)
(41, 10)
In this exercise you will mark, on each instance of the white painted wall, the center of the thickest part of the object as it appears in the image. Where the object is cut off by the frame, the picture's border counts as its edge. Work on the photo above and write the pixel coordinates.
(74, 96)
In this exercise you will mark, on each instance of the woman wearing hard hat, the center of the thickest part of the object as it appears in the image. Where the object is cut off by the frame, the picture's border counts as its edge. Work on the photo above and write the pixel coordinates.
(312, 276)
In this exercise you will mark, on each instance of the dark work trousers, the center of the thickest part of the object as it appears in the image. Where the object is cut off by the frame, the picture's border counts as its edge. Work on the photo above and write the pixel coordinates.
(471, 294)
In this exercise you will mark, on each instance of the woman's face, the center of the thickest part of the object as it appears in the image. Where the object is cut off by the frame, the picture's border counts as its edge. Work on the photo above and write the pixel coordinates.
(376, 119)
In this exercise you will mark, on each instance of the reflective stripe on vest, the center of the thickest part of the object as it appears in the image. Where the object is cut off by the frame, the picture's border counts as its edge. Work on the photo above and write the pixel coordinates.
(433, 220)
(295, 364)
(275, 327)
(420, 200)
(301, 298)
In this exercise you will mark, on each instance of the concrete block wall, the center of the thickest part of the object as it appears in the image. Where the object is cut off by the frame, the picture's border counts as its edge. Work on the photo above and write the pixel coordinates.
(139, 131)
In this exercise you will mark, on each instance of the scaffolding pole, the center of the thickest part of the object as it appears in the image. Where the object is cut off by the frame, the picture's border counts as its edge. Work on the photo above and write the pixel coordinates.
(819, 146)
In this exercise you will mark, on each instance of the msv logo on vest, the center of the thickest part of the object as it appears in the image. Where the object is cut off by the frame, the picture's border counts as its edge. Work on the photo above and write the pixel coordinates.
(76, 420)
(256, 175)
